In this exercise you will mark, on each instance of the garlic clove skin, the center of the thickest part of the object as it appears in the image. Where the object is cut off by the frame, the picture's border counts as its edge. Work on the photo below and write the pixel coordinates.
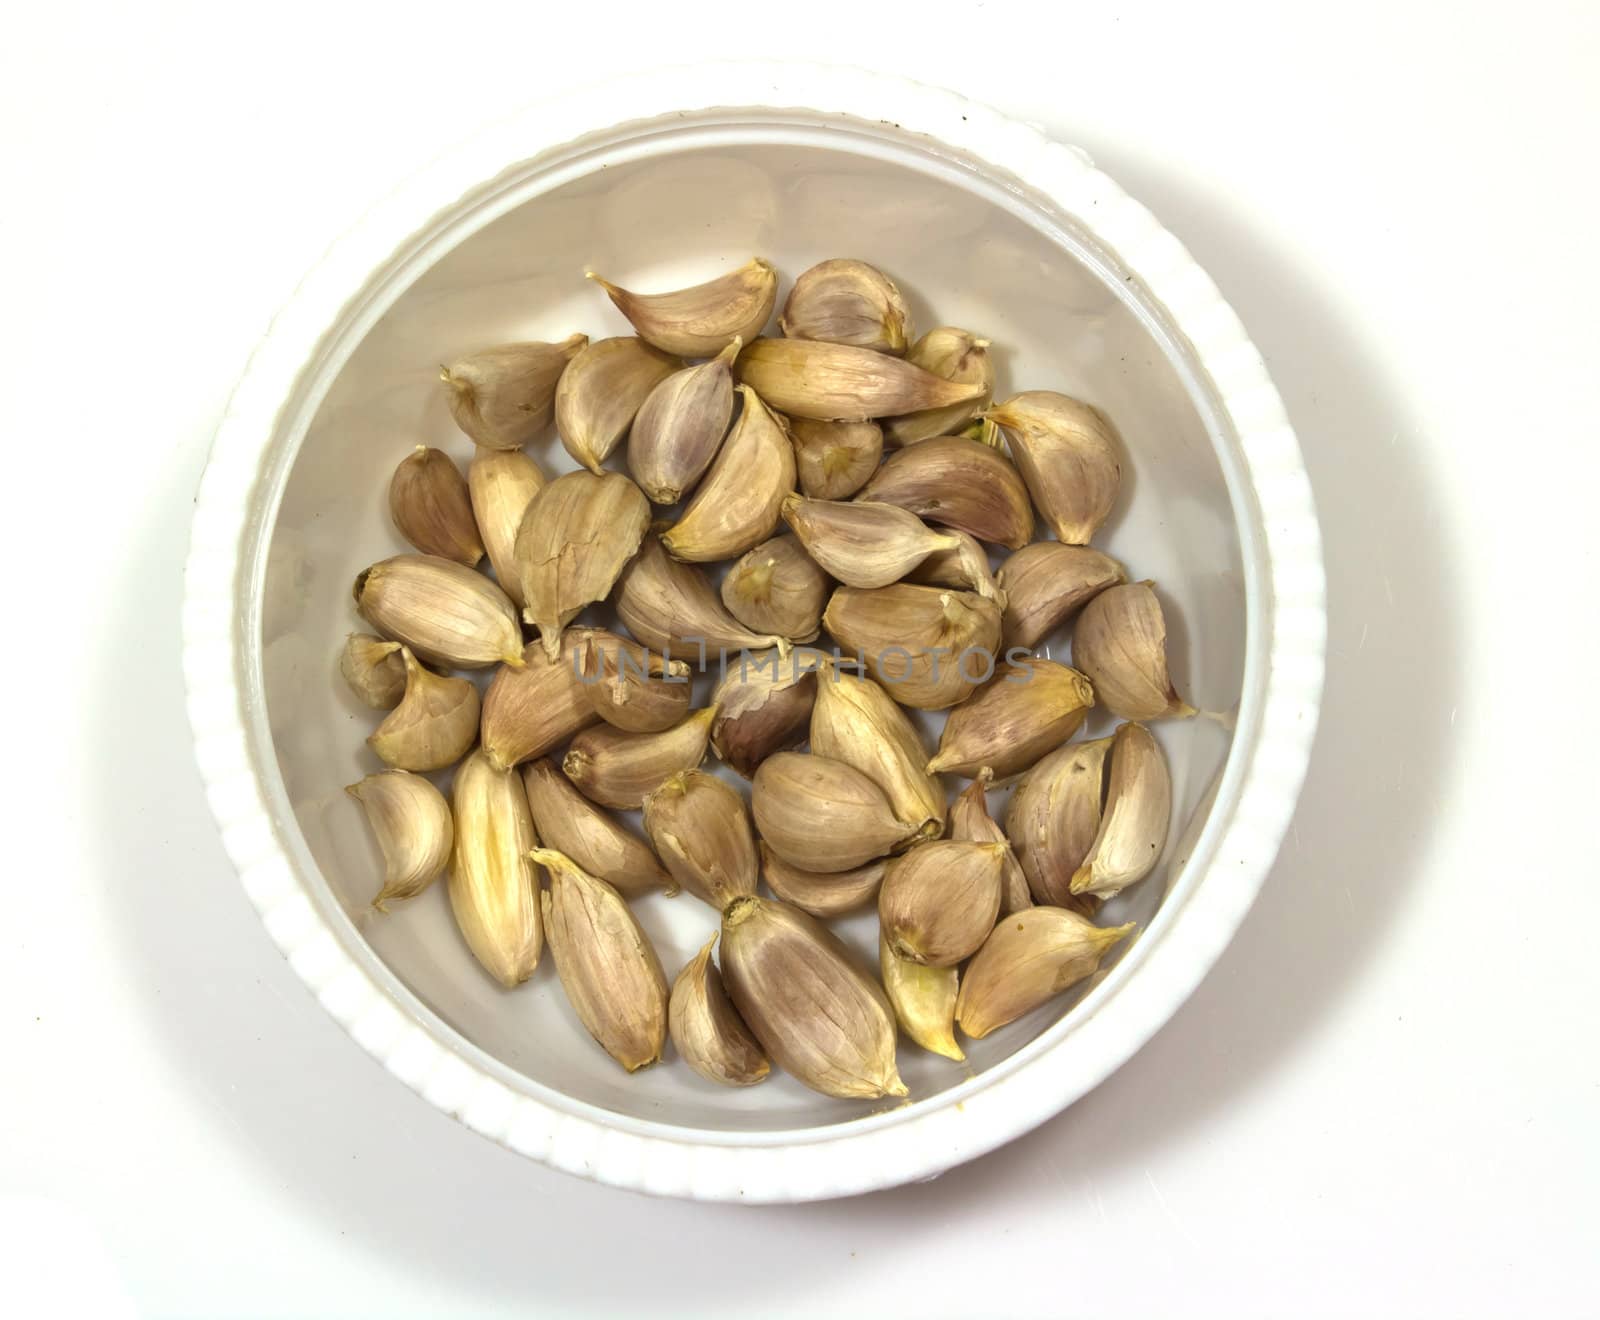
(594, 839)
(708, 1031)
(1026, 710)
(701, 321)
(601, 393)
(448, 614)
(494, 893)
(619, 769)
(1054, 816)
(1030, 958)
(844, 301)
(842, 383)
(824, 894)
(411, 821)
(940, 900)
(957, 483)
(536, 707)
(1069, 457)
(929, 647)
(632, 690)
(1138, 811)
(374, 670)
(823, 815)
(434, 725)
(501, 483)
(862, 544)
(431, 507)
(1046, 583)
(672, 608)
(763, 705)
(681, 426)
(833, 460)
(923, 999)
(965, 565)
(503, 397)
(701, 830)
(776, 588)
(970, 822)
(951, 354)
(1120, 642)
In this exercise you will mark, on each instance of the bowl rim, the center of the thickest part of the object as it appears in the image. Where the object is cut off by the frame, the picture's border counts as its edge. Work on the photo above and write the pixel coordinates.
(1286, 623)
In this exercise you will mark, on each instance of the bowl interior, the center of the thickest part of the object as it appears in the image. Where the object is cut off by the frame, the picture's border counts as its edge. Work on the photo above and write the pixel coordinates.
(652, 206)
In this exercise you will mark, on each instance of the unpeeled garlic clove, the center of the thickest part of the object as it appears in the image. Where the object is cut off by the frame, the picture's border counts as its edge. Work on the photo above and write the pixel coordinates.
(503, 396)
(964, 565)
(568, 822)
(680, 427)
(632, 689)
(577, 535)
(1024, 711)
(951, 354)
(446, 613)
(940, 900)
(824, 894)
(530, 710)
(411, 821)
(602, 391)
(501, 484)
(763, 706)
(844, 301)
(1120, 642)
(701, 831)
(494, 893)
(1054, 816)
(970, 822)
(1068, 455)
(929, 647)
(434, 725)
(1133, 826)
(839, 382)
(816, 1013)
(607, 965)
(674, 610)
(619, 769)
(823, 815)
(1046, 583)
(777, 588)
(707, 1029)
(701, 321)
(374, 670)
(833, 460)
(737, 504)
(431, 508)
(957, 483)
(1030, 958)
(923, 999)
(862, 544)
(857, 722)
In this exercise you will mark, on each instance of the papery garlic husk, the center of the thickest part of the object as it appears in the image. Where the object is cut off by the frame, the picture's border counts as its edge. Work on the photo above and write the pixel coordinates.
(957, 483)
(833, 460)
(777, 588)
(862, 544)
(986, 431)
(529, 711)
(857, 722)
(680, 427)
(970, 822)
(1054, 816)
(844, 301)
(823, 815)
(632, 689)
(446, 613)
(1069, 457)
(1120, 642)
(598, 842)
(619, 769)
(431, 508)
(818, 1015)
(494, 892)
(577, 535)
(951, 354)
(434, 725)
(1026, 710)
(501, 484)
(701, 831)
(1133, 826)
(1046, 583)
(376, 673)
(701, 321)
(1030, 958)
(607, 965)
(930, 647)
(842, 383)
(923, 999)
(411, 821)
(708, 1031)
(673, 609)
(940, 900)
(601, 393)
(824, 894)
(964, 565)
(503, 397)
(737, 504)
(763, 705)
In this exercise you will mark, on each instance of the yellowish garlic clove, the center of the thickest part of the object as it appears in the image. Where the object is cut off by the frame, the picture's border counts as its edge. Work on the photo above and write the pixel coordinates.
(601, 393)
(970, 822)
(928, 646)
(1030, 958)
(374, 670)
(862, 544)
(1054, 816)
(501, 483)
(494, 893)
(817, 1015)
(951, 354)
(446, 613)
(701, 831)
(708, 1031)
(776, 588)
(503, 397)
(530, 710)
(834, 460)
(1120, 642)
(844, 301)
(411, 821)
(673, 609)
(431, 508)
(964, 565)
(1046, 583)
(607, 965)
(763, 705)
(620, 769)
(923, 999)
(680, 427)
(1069, 457)
(434, 725)
(632, 689)
(1133, 826)
(822, 815)
(594, 839)
(840, 382)
(940, 900)
(824, 894)
(1026, 710)
(702, 320)
(957, 483)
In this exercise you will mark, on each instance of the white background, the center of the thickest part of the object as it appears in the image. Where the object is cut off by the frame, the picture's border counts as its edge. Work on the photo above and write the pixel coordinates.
(1385, 1098)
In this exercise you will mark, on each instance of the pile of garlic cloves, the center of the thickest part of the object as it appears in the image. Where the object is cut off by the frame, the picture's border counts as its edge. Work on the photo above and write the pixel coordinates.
(823, 532)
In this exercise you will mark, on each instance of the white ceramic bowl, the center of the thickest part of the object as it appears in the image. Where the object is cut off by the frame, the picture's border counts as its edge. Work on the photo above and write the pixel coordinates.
(665, 177)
